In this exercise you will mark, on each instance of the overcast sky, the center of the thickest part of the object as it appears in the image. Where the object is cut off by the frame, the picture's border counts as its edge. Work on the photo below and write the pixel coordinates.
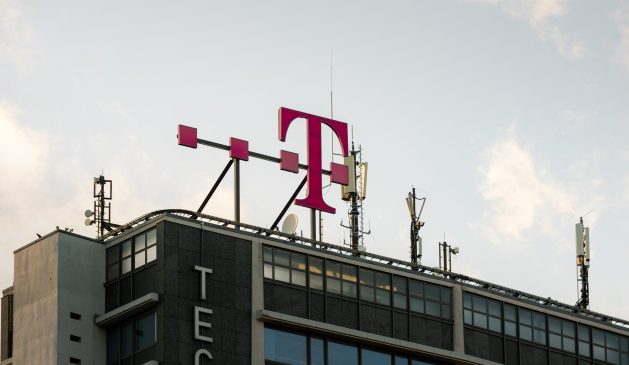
(510, 116)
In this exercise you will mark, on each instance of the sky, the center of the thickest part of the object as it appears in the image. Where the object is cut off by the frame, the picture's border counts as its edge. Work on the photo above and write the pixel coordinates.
(510, 116)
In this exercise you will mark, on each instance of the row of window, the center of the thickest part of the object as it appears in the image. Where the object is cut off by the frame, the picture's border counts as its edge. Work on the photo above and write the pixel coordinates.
(545, 330)
(130, 337)
(289, 348)
(352, 282)
(131, 254)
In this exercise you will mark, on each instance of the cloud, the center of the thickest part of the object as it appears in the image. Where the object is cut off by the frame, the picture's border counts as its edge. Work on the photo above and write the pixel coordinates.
(621, 18)
(523, 196)
(540, 15)
(16, 36)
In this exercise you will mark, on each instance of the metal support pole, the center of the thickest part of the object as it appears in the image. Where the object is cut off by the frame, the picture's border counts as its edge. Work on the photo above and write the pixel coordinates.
(290, 201)
(237, 191)
(215, 186)
(445, 257)
(313, 224)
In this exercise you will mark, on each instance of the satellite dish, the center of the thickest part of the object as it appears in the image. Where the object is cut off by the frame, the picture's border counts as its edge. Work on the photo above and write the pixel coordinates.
(290, 224)
(88, 222)
(88, 213)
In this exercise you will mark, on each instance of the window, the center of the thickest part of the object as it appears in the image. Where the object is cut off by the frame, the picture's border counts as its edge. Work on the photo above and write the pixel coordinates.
(316, 273)
(533, 326)
(282, 347)
(74, 360)
(561, 334)
(375, 287)
(285, 266)
(430, 299)
(624, 351)
(509, 320)
(367, 285)
(113, 257)
(144, 248)
(370, 357)
(340, 279)
(75, 316)
(74, 338)
(341, 354)
(482, 312)
(606, 346)
(399, 292)
(383, 288)
(584, 341)
(317, 351)
(125, 254)
(131, 336)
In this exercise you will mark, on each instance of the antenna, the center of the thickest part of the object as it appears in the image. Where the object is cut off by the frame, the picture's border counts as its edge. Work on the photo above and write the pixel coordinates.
(448, 251)
(102, 210)
(416, 225)
(289, 226)
(583, 262)
(355, 198)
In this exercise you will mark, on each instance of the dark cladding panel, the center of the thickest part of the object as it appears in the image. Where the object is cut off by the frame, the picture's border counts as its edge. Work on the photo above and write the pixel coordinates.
(495, 349)
(400, 326)
(532, 355)
(418, 330)
(126, 293)
(111, 296)
(342, 312)
(283, 299)
(376, 320)
(228, 293)
(144, 282)
(317, 307)
(511, 352)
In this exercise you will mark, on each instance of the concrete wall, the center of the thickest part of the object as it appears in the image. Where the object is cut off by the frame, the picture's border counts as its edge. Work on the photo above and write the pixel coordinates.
(7, 295)
(35, 299)
(81, 276)
(56, 275)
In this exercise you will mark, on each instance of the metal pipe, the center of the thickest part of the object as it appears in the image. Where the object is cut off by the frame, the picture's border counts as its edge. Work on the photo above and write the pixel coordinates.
(215, 186)
(237, 191)
(288, 204)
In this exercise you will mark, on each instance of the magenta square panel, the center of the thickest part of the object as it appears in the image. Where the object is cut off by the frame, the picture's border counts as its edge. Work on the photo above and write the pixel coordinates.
(339, 173)
(289, 161)
(239, 149)
(187, 136)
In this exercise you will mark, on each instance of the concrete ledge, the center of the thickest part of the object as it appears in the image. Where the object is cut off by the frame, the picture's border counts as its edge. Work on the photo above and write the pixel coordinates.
(125, 311)
(368, 338)
(8, 361)
(152, 362)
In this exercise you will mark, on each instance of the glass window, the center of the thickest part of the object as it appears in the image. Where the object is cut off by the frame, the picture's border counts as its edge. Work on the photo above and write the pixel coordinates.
(370, 357)
(317, 351)
(113, 346)
(584, 340)
(145, 335)
(298, 269)
(151, 245)
(383, 288)
(333, 277)
(349, 281)
(367, 284)
(126, 256)
(285, 347)
(483, 313)
(401, 360)
(126, 339)
(139, 250)
(316, 273)
(399, 292)
(113, 258)
(340, 354)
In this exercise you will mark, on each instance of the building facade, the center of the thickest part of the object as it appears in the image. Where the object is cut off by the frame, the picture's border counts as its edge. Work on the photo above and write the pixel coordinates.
(174, 287)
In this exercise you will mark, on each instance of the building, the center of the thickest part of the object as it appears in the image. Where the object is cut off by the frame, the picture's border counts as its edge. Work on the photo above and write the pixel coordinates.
(175, 287)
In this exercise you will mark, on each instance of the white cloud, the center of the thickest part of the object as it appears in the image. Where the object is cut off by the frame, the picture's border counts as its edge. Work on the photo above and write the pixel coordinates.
(540, 14)
(16, 35)
(523, 197)
(621, 18)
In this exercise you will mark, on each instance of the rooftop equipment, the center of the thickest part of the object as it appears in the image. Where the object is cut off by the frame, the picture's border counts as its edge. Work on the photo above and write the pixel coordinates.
(583, 263)
(416, 225)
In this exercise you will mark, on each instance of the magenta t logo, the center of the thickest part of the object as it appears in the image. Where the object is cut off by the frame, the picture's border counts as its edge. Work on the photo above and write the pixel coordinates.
(314, 196)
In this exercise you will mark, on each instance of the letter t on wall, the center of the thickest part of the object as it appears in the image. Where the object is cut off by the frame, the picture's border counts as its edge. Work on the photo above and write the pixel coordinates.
(203, 270)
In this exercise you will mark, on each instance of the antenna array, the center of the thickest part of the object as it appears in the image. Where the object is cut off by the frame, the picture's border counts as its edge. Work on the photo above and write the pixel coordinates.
(583, 263)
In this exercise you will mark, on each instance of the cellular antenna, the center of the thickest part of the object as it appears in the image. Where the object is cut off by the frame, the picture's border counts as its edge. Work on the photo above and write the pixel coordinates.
(583, 262)
(416, 225)
(102, 193)
(355, 193)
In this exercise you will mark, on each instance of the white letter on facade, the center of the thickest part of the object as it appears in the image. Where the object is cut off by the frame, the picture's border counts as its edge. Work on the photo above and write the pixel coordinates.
(203, 270)
(198, 324)
(197, 356)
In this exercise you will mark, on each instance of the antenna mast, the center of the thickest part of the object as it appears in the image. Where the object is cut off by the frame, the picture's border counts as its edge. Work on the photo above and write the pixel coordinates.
(355, 193)
(102, 193)
(583, 263)
(416, 225)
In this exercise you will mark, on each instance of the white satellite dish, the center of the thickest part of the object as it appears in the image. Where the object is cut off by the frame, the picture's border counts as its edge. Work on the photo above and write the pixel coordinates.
(88, 222)
(289, 226)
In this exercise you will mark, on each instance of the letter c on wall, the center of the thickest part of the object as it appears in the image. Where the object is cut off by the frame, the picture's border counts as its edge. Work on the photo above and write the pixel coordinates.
(199, 353)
